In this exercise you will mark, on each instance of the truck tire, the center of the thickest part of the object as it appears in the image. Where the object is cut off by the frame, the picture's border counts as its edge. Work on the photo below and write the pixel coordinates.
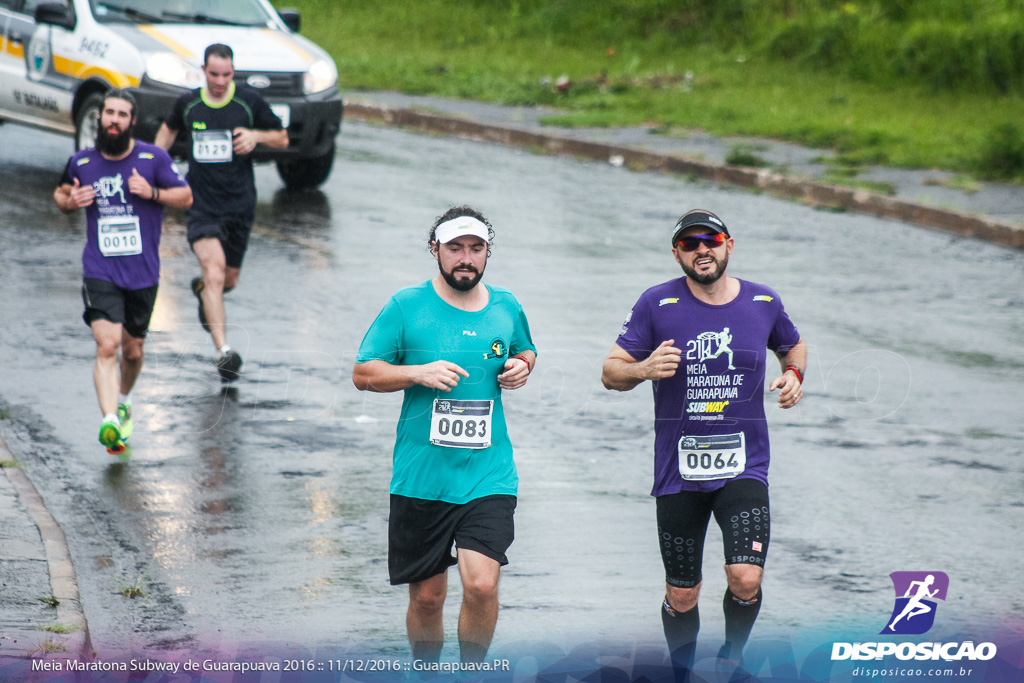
(87, 121)
(306, 174)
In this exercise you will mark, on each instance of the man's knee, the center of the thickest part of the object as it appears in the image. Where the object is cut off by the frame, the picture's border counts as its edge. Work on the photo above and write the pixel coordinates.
(744, 580)
(427, 598)
(107, 347)
(682, 599)
(480, 587)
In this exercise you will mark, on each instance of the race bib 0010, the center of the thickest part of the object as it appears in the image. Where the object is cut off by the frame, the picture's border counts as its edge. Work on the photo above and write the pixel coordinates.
(461, 424)
(718, 456)
(212, 146)
(119, 235)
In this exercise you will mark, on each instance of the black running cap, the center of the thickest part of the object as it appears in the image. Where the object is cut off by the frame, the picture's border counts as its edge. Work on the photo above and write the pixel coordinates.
(702, 218)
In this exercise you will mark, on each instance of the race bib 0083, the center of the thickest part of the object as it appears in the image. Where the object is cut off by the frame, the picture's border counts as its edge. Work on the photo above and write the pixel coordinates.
(461, 424)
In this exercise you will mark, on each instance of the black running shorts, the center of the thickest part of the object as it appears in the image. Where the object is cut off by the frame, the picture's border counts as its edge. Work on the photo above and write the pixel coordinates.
(231, 229)
(129, 307)
(421, 534)
(741, 510)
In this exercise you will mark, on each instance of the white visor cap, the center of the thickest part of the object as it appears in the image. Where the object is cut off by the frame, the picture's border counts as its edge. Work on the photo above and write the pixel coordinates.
(458, 227)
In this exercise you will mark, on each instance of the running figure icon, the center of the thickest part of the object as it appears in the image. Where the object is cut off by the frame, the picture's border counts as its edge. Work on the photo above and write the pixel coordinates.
(723, 338)
(915, 606)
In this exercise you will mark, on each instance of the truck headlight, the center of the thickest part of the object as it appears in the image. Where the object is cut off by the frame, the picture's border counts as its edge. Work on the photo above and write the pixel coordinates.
(173, 70)
(322, 74)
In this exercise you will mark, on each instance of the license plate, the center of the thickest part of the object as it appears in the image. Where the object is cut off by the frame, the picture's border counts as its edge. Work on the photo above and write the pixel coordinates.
(284, 112)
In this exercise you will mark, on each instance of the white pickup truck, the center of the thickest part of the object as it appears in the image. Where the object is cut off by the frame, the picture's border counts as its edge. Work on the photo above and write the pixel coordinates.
(57, 58)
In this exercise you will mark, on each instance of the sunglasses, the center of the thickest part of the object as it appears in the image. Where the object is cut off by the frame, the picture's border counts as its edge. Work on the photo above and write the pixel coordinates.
(693, 242)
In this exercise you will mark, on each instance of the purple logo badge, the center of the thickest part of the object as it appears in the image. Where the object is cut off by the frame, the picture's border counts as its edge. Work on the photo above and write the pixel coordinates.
(916, 593)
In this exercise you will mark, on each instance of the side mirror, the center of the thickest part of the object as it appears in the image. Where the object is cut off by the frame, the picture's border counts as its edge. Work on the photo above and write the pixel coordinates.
(56, 14)
(291, 18)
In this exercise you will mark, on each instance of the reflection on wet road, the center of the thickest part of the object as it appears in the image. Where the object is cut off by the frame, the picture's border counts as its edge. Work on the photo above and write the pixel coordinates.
(258, 514)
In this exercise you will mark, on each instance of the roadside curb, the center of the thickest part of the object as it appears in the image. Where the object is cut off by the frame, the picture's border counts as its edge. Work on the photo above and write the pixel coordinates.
(806, 191)
(63, 581)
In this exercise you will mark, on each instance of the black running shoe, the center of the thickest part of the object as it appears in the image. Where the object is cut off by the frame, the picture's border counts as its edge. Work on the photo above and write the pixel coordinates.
(197, 289)
(228, 366)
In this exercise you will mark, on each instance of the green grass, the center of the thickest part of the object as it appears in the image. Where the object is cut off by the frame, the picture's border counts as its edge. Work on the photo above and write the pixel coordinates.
(58, 628)
(907, 83)
(132, 591)
(49, 601)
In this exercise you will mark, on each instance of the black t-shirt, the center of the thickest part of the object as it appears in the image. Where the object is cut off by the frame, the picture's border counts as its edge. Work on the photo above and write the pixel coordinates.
(222, 182)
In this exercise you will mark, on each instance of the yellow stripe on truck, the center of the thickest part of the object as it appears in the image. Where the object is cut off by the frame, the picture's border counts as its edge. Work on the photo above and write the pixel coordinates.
(289, 42)
(81, 70)
(174, 45)
(14, 49)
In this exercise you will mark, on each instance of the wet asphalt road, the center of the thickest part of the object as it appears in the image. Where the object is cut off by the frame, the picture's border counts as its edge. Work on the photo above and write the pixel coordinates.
(257, 515)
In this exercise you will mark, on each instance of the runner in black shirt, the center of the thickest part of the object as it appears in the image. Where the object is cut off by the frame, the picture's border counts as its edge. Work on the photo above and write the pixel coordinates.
(224, 122)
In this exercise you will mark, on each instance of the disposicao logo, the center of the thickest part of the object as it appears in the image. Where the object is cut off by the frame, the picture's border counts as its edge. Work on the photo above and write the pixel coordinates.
(916, 593)
(913, 614)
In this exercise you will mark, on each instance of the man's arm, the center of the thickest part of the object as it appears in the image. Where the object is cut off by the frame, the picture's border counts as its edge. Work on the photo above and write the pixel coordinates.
(517, 370)
(176, 197)
(71, 197)
(381, 376)
(622, 372)
(165, 137)
(246, 139)
(790, 381)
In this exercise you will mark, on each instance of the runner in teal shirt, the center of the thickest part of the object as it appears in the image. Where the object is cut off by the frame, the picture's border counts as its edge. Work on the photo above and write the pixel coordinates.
(452, 345)
(418, 327)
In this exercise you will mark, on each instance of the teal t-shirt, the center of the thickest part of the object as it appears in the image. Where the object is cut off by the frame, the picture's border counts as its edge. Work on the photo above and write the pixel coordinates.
(416, 327)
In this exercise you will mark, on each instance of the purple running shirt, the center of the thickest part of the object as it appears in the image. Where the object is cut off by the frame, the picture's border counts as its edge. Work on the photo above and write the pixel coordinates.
(123, 230)
(709, 417)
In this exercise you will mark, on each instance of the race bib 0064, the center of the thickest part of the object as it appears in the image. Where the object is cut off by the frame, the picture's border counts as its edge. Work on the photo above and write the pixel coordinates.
(718, 456)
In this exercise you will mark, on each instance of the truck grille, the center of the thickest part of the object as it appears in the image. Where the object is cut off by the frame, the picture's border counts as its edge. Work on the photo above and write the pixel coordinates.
(280, 83)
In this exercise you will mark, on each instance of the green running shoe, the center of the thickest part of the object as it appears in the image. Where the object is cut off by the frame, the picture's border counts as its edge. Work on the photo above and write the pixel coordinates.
(124, 414)
(110, 436)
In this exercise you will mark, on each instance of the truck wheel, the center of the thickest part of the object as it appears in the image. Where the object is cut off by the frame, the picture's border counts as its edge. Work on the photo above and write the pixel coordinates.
(87, 122)
(306, 174)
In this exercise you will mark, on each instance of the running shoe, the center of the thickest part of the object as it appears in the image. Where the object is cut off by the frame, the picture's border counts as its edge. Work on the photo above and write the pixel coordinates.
(197, 289)
(110, 436)
(228, 365)
(124, 414)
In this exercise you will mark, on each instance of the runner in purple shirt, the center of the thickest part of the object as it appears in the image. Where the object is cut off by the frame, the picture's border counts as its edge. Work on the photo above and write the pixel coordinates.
(702, 340)
(123, 185)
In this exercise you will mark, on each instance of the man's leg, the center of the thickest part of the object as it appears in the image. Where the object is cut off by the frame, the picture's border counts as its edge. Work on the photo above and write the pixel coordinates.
(680, 617)
(108, 343)
(132, 355)
(479, 613)
(211, 257)
(424, 621)
(742, 512)
(682, 526)
(741, 604)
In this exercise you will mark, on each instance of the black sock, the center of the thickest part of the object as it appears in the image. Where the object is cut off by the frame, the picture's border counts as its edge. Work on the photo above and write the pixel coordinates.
(739, 619)
(680, 633)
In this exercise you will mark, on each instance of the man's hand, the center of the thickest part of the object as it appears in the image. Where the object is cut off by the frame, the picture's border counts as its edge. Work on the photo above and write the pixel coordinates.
(81, 195)
(663, 361)
(245, 140)
(441, 374)
(516, 372)
(792, 390)
(139, 186)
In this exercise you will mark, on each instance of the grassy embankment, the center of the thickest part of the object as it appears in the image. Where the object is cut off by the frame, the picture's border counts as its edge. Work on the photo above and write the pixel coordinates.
(908, 83)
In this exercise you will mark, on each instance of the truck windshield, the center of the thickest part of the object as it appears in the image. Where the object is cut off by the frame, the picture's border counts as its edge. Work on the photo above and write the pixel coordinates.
(224, 12)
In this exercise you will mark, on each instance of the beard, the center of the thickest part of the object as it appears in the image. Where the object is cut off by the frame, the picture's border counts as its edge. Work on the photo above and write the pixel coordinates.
(113, 144)
(707, 278)
(460, 284)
